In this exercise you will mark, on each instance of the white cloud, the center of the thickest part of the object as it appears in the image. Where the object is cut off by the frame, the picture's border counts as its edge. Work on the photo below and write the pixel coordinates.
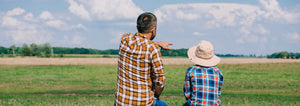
(46, 15)
(116, 36)
(273, 11)
(104, 9)
(29, 17)
(252, 39)
(55, 23)
(74, 40)
(198, 34)
(293, 36)
(20, 31)
(261, 30)
(15, 11)
(250, 34)
(186, 16)
(9, 21)
(19, 27)
(213, 13)
(226, 14)
(29, 36)
(244, 31)
(240, 40)
(247, 21)
(79, 26)
(79, 10)
(131, 24)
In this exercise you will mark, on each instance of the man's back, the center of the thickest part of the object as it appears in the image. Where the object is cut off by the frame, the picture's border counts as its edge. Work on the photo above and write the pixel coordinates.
(138, 59)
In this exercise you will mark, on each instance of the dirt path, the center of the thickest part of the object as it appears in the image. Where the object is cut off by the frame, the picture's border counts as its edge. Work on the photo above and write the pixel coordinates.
(113, 61)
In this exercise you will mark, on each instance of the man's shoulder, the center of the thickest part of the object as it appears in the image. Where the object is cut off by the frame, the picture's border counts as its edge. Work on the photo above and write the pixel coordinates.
(126, 35)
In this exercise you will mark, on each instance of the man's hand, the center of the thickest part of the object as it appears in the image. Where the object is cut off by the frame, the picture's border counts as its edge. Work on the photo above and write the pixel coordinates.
(164, 45)
(158, 90)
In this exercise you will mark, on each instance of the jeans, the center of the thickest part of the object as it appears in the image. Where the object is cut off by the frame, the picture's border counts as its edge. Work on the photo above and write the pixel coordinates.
(159, 102)
(156, 102)
(186, 104)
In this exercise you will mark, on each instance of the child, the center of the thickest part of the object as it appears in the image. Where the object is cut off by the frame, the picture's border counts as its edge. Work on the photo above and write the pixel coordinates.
(203, 81)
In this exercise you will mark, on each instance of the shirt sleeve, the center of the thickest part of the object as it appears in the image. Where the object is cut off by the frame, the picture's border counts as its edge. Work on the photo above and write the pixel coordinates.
(220, 82)
(187, 85)
(157, 66)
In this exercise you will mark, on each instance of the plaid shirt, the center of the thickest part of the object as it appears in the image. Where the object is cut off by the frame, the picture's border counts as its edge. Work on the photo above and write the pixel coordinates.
(203, 85)
(139, 67)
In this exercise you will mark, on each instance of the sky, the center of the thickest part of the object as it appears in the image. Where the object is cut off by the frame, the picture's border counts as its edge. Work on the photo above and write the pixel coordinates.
(259, 27)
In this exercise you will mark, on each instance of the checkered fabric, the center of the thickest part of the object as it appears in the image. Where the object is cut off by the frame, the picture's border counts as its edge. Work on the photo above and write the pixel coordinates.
(139, 67)
(202, 86)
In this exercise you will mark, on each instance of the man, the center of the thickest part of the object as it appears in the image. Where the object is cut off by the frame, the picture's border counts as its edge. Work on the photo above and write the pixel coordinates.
(203, 81)
(141, 77)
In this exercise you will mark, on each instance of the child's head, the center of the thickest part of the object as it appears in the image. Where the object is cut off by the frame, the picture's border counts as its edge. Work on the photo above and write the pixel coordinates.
(203, 54)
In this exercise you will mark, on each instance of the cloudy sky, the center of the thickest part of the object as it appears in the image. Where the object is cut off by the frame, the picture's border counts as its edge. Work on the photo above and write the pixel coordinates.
(258, 27)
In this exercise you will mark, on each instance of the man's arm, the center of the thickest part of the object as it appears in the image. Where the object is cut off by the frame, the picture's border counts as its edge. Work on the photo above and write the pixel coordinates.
(158, 78)
(164, 45)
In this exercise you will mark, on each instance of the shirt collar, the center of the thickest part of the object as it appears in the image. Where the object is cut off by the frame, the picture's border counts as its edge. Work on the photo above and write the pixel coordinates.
(141, 35)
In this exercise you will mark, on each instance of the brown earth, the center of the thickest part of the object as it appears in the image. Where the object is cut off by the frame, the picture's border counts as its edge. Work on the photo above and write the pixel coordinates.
(113, 61)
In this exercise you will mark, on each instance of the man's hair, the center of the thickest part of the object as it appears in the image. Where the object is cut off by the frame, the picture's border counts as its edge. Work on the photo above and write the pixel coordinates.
(146, 22)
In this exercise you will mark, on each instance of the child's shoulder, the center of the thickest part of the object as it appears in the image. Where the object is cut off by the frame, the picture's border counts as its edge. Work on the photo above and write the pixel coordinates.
(194, 67)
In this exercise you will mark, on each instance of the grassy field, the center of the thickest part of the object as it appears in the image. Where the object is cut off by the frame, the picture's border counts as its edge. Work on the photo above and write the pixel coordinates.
(244, 84)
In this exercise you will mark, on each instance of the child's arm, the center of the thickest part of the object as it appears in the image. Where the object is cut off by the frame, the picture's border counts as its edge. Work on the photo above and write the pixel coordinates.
(187, 85)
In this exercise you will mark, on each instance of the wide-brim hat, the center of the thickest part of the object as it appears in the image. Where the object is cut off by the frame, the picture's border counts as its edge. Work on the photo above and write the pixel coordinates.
(203, 54)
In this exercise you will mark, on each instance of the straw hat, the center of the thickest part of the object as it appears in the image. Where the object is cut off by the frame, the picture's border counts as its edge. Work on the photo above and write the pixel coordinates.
(203, 54)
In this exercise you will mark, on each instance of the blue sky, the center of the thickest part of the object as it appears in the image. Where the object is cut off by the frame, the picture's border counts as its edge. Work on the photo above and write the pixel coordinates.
(258, 27)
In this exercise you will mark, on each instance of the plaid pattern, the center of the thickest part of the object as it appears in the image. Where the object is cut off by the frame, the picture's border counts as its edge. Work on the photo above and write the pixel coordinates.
(203, 85)
(139, 67)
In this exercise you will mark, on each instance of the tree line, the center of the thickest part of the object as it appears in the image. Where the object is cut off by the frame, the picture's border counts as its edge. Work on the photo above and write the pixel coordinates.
(46, 50)
(42, 50)
(284, 54)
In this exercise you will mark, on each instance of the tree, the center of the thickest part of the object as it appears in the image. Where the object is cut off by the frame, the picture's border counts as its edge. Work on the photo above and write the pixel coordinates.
(283, 54)
(13, 48)
(47, 50)
(35, 49)
(3, 50)
(26, 50)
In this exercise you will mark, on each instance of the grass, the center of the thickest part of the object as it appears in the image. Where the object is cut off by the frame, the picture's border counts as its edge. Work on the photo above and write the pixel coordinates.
(244, 84)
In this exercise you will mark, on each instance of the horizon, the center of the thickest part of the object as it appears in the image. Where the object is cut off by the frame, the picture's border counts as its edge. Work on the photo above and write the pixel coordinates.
(259, 27)
(234, 55)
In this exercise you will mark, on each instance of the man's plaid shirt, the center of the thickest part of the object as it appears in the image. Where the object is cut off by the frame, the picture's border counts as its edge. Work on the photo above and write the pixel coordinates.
(202, 86)
(139, 67)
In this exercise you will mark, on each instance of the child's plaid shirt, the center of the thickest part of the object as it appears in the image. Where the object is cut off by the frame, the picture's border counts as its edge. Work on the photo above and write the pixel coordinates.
(203, 85)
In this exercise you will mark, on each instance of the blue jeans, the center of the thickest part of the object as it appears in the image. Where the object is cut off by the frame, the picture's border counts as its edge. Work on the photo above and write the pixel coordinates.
(186, 104)
(159, 102)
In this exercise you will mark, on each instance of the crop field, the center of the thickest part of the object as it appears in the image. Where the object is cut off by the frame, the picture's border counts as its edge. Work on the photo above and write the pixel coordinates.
(248, 84)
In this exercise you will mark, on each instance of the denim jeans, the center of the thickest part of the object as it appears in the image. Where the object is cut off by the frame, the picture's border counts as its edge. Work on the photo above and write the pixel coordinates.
(186, 104)
(159, 102)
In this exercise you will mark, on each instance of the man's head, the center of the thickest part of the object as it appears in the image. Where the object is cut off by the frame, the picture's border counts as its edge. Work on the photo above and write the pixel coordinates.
(146, 23)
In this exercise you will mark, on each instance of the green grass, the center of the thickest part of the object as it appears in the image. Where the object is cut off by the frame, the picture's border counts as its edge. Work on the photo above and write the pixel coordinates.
(244, 84)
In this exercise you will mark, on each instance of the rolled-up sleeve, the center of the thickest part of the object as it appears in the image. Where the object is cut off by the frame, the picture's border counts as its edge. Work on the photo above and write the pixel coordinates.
(187, 85)
(220, 82)
(157, 65)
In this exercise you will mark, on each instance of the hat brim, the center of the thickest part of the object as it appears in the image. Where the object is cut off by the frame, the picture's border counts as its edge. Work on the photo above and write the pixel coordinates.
(203, 62)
